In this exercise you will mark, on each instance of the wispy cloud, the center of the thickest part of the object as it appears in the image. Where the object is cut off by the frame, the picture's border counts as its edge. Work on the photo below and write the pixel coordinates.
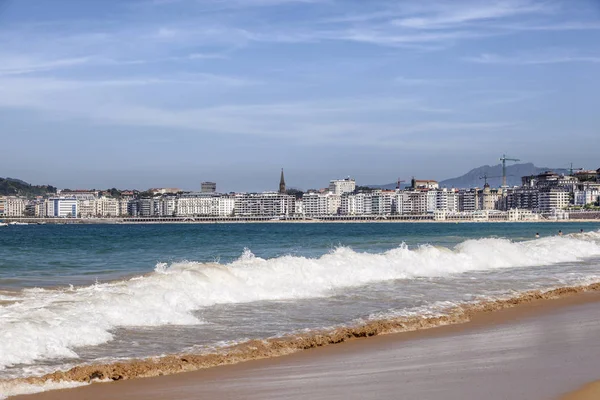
(451, 15)
(404, 81)
(533, 58)
(18, 65)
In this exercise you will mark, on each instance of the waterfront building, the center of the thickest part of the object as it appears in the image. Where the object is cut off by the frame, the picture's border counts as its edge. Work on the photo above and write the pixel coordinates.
(86, 207)
(225, 206)
(107, 207)
(197, 204)
(12, 206)
(268, 204)
(382, 202)
(124, 205)
(61, 207)
(413, 202)
(552, 199)
(525, 198)
(467, 200)
(208, 187)
(447, 200)
(299, 207)
(585, 197)
(341, 186)
(39, 208)
(167, 206)
(316, 204)
(133, 208)
(488, 198)
(146, 207)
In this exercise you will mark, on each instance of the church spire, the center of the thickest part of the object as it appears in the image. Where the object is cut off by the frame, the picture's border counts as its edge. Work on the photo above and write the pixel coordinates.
(282, 183)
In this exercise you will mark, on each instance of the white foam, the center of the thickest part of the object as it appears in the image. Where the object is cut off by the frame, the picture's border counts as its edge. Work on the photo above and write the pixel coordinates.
(50, 324)
(8, 389)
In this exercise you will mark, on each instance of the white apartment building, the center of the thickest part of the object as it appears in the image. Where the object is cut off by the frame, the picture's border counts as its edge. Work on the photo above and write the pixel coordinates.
(553, 199)
(414, 202)
(86, 207)
(124, 205)
(107, 207)
(447, 200)
(583, 197)
(299, 207)
(382, 202)
(197, 205)
(316, 204)
(12, 206)
(146, 207)
(39, 208)
(267, 204)
(167, 206)
(341, 186)
(226, 206)
(61, 207)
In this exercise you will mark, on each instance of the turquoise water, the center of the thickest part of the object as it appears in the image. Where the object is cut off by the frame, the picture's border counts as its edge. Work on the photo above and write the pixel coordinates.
(77, 294)
(53, 255)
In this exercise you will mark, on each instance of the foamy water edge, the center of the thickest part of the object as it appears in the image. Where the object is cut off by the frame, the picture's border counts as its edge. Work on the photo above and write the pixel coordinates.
(275, 347)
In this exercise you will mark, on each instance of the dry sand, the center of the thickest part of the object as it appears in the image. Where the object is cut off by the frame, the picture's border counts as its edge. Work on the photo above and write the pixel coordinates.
(539, 349)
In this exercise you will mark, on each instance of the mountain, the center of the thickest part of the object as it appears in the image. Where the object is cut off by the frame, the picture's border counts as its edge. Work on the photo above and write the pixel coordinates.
(474, 178)
(514, 172)
(14, 187)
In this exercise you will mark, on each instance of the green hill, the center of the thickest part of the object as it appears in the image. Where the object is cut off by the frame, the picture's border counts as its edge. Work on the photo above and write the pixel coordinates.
(16, 187)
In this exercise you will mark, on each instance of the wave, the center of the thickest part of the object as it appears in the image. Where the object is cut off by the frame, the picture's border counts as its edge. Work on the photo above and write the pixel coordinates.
(276, 347)
(50, 324)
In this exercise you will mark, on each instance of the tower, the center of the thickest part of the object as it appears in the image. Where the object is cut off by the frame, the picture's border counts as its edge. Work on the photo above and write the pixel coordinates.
(282, 183)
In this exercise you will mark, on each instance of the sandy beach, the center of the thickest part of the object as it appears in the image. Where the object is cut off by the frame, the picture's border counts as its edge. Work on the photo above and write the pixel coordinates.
(543, 349)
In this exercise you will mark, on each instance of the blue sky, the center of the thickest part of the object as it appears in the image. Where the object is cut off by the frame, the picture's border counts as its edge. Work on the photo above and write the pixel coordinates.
(153, 93)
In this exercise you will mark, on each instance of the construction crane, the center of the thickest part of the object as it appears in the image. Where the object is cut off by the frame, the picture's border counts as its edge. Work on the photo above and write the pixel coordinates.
(399, 183)
(504, 159)
(485, 177)
(574, 169)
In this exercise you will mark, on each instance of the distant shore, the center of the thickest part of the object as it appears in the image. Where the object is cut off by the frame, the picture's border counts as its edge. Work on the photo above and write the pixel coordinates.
(245, 220)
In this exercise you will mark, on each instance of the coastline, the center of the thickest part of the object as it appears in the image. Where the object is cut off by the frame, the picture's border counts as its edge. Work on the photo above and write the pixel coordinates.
(488, 314)
(258, 220)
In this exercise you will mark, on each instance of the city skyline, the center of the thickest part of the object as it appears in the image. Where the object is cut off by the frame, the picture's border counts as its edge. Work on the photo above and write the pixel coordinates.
(161, 93)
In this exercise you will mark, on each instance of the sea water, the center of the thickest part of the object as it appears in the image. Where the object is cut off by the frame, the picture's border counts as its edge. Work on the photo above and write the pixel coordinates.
(79, 294)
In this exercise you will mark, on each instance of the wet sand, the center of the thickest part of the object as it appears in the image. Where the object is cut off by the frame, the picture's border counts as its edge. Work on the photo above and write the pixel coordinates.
(537, 350)
(588, 392)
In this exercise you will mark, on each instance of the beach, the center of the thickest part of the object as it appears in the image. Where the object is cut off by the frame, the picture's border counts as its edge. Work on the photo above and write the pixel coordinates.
(542, 349)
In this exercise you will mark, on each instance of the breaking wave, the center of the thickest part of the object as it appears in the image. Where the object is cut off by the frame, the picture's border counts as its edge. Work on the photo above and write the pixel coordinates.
(49, 324)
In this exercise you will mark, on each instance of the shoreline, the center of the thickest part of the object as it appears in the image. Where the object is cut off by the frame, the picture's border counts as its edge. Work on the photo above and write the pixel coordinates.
(224, 221)
(256, 352)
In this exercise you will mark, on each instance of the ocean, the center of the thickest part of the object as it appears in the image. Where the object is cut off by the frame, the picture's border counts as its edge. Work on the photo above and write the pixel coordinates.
(95, 294)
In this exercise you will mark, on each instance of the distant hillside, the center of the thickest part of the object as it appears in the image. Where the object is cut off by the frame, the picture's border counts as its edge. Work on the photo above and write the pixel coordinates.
(514, 173)
(494, 172)
(14, 187)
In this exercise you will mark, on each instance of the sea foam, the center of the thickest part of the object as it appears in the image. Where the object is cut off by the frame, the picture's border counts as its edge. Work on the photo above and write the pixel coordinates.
(51, 324)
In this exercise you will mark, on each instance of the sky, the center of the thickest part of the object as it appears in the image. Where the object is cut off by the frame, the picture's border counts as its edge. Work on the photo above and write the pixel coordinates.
(170, 93)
